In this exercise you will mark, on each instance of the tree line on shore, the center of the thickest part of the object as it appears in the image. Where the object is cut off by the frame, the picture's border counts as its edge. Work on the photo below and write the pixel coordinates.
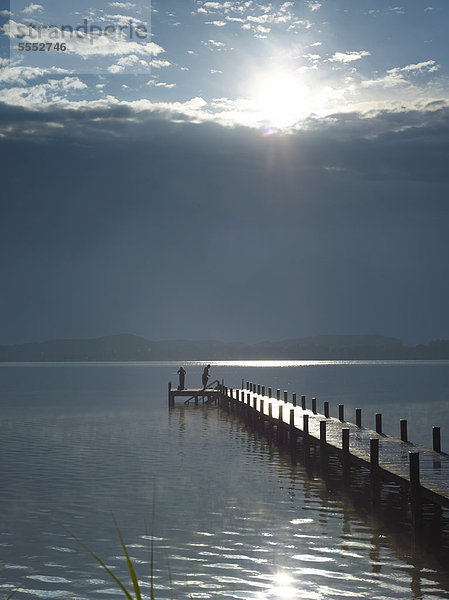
(126, 347)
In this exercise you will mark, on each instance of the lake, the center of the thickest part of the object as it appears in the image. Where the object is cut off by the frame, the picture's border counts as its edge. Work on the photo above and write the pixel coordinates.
(234, 517)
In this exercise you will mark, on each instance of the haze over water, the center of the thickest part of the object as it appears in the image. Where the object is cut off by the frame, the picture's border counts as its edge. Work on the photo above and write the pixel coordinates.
(235, 518)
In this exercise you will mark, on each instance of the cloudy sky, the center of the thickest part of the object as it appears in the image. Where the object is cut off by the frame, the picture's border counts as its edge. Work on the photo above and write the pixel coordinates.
(224, 170)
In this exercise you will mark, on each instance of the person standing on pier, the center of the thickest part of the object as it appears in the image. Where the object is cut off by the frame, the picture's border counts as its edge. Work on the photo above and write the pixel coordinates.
(182, 376)
(205, 377)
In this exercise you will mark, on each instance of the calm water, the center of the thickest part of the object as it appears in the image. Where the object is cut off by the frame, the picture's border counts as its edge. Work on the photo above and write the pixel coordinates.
(234, 517)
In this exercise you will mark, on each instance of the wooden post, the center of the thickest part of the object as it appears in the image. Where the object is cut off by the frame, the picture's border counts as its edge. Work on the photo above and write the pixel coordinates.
(263, 390)
(414, 472)
(326, 409)
(294, 399)
(341, 412)
(303, 402)
(258, 389)
(305, 424)
(278, 394)
(323, 432)
(285, 396)
(243, 384)
(170, 401)
(247, 407)
(379, 423)
(259, 416)
(314, 406)
(403, 425)
(269, 392)
(374, 453)
(247, 385)
(261, 409)
(292, 435)
(292, 418)
(345, 440)
(358, 417)
(436, 435)
(270, 410)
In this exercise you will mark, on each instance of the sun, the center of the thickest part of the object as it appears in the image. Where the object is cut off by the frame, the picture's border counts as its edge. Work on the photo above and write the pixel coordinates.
(280, 99)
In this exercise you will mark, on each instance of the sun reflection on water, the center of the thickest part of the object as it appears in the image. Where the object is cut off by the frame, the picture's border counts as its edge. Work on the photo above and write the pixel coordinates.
(282, 586)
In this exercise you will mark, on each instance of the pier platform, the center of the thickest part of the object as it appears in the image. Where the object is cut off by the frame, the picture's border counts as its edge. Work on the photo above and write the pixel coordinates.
(195, 395)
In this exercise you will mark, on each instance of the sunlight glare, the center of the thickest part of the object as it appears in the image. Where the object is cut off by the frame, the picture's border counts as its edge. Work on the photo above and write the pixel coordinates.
(282, 586)
(280, 99)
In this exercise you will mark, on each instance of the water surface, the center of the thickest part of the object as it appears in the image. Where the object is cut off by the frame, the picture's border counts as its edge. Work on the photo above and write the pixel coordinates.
(234, 517)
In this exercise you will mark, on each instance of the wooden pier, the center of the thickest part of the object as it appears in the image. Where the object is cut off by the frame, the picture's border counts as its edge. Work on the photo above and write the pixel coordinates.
(424, 471)
(206, 395)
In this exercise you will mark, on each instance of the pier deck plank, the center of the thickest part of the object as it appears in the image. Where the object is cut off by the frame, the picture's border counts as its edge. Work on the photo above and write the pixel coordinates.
(194, 392)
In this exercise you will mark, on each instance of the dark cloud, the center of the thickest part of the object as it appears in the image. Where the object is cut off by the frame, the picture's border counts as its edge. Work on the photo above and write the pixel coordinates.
(409, 144)
(125, 221)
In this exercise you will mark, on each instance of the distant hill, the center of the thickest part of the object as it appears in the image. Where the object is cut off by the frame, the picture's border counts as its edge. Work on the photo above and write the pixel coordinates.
(126, 347)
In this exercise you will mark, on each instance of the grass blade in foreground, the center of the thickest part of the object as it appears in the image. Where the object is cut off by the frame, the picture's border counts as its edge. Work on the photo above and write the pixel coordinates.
(130, 564)
(105, 567)
(17, 588)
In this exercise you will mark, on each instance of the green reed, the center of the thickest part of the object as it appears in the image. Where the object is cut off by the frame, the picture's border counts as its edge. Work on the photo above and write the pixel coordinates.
(136, 588)
(132, 571)
(17, 588)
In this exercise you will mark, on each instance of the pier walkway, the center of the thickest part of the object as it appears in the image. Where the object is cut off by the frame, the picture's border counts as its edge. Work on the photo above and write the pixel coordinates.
(425, 471)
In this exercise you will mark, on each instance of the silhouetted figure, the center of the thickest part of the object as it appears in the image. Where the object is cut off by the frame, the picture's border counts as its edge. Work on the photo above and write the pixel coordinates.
(182, 377)
(205, 376)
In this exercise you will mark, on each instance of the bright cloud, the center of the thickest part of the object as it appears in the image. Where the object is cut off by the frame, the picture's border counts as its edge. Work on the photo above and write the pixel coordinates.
(158, 63)
(251, 14)
(399, 10)
(85, 44)
(127, 62)
(429, 65)
(348, 57)
(122, 4)
(37, 96)
(20, 75)
(398, 75)
(313, 5)
(214, 45)
(32, 8)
